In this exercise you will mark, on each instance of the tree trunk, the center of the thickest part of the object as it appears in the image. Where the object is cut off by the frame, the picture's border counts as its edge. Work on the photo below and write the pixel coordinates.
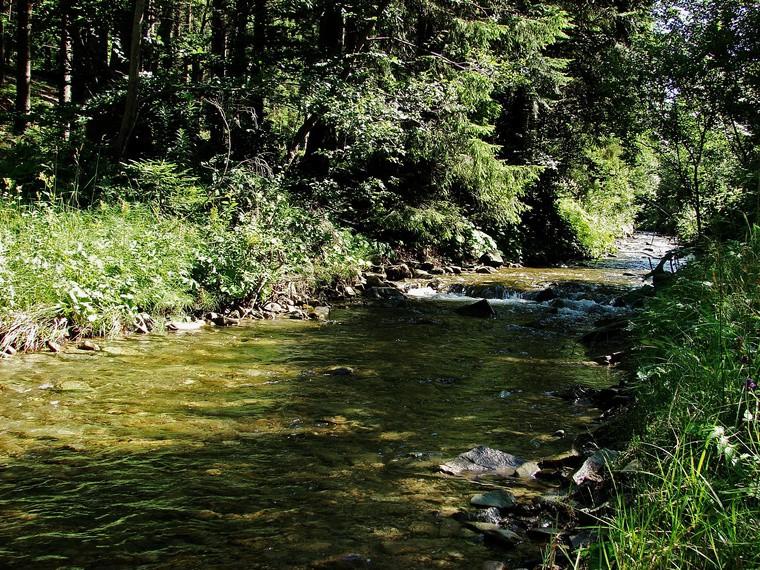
(322, 135)
(130, 106)
(217, 122)
(218, 38)
(166, 26)
(23, 64)
(239, 61)
(65, 55)
(260, 27)
(2, 42)
(91, 71)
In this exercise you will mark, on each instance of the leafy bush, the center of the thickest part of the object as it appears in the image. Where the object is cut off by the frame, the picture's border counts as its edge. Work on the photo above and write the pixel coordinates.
(164, 186)
(598, 197)
(248, 252)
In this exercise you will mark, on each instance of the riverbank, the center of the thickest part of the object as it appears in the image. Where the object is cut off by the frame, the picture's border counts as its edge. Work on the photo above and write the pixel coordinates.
(72, 274)
(691, 496)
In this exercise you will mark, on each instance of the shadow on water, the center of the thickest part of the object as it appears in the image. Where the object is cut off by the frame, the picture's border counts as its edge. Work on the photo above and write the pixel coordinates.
(239, 448)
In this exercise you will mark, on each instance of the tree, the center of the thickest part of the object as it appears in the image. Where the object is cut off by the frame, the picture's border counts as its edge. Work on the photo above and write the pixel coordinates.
(65, 54)
(2, 42)
(130, 105)
(23, 64)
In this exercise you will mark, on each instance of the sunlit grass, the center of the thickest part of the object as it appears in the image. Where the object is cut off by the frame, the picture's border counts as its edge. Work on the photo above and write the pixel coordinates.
(696, 503)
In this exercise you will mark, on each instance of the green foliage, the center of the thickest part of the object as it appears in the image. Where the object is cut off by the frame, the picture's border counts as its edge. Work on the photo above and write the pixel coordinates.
(247, 253)
(162, 185)
(97, 269)
(697, 501)
(599, 196)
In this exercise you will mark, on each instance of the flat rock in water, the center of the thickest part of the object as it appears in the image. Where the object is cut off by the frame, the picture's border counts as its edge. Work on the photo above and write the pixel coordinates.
(527, 470)
(500, 499)
(483, 460)
(482, 310)
(494, 531)
(595, 469)
(388, 293)
(179, 326)
(319, 313)
(340, 371)
(88, 345)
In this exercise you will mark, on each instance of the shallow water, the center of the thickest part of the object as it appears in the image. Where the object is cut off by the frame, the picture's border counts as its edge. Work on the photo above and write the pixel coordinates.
(235, 448)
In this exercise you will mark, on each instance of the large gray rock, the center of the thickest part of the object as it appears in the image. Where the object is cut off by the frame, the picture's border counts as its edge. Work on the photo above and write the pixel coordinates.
(375, 280)
(492, 259)
(386, 293)
(483, 459)
(398, 272)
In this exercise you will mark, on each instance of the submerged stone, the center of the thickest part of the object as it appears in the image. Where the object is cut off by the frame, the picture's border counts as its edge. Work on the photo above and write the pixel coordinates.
(178, 326)
(340, 371)
(72, 386)
(503, 536)
(500, 499)
(88, 345)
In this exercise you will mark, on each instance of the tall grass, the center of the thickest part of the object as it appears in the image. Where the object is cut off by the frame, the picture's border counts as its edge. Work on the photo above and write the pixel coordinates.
(95, 269)
(696, 501)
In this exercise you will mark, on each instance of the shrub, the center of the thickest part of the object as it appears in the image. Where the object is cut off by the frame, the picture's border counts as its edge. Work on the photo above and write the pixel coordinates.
(598, 197)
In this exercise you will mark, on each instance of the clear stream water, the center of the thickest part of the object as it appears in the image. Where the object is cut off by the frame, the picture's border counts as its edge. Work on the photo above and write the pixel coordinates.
(234, 448)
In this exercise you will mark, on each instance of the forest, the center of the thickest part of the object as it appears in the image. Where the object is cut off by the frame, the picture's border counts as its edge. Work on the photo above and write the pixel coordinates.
(164, 163)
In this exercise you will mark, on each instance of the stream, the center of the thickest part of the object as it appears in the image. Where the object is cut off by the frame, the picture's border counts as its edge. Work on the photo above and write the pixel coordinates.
(241, 448)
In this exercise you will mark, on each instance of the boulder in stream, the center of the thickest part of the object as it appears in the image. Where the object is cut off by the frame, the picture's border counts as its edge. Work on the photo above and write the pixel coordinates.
(492, 259)
(179, 326)
(88, 346)
(481, 309)
(375, 280)
(386, 293)
(318, 313)
(398, 272)
(483, 459)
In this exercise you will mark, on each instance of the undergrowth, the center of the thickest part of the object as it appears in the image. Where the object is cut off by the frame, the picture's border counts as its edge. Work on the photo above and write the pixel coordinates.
(696, 500)
(66, 271)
